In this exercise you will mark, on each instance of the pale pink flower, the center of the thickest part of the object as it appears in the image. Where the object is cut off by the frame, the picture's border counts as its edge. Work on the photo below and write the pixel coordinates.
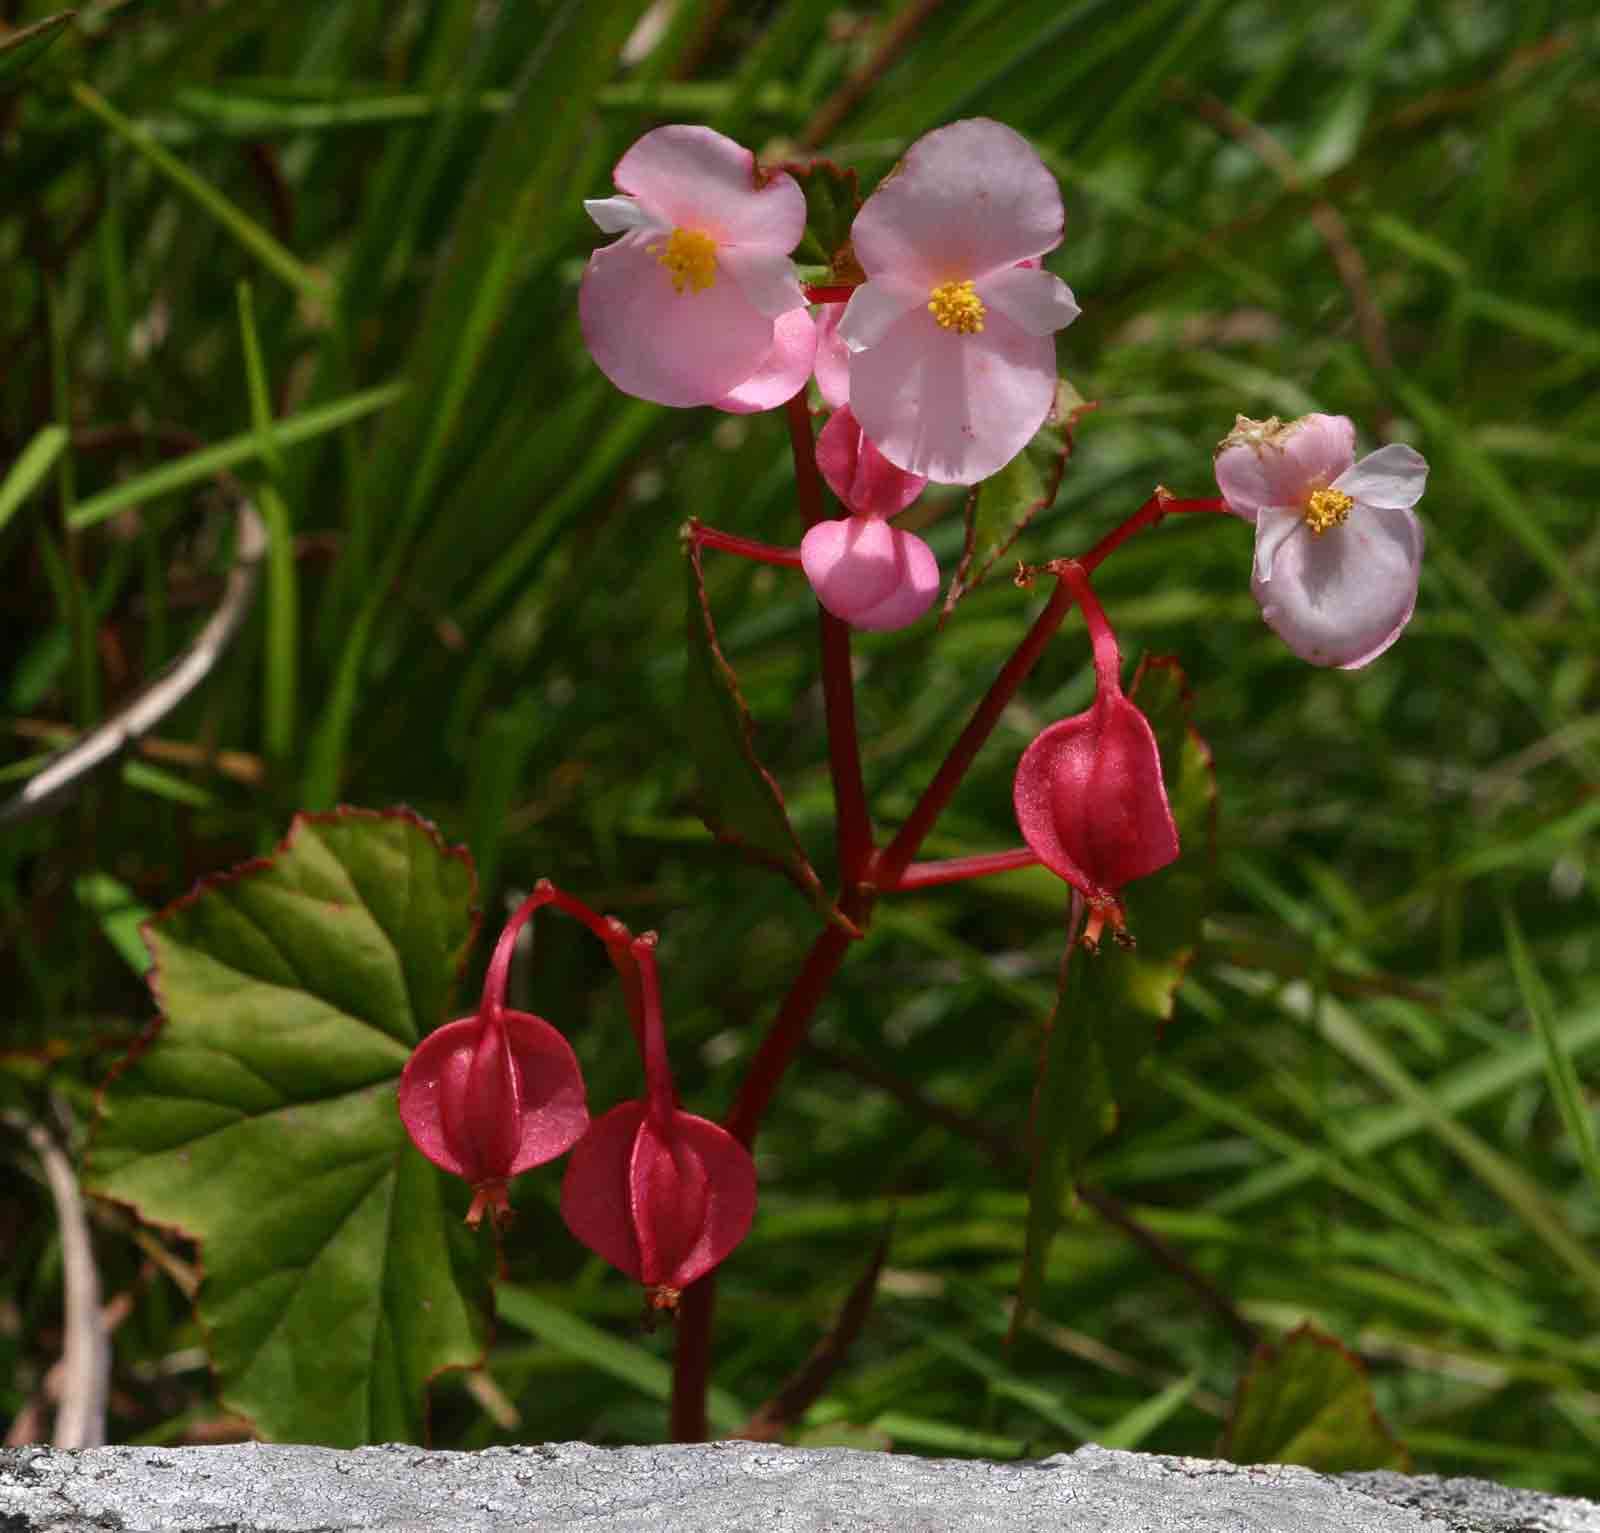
(1338, 547)
(681, 309)
(952, 338)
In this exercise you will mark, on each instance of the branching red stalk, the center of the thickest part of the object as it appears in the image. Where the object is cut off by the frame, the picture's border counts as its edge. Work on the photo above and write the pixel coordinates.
(953, 870)
(1161, 504)
(895, 858)
(864, 874)
(745, 548)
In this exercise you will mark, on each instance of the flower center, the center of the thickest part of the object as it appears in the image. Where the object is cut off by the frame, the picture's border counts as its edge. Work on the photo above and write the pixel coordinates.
(1326, 509)
(957, 307)
(690, 256)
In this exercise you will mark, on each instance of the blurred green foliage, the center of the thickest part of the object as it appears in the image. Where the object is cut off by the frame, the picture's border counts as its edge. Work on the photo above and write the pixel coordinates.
(1383, 209)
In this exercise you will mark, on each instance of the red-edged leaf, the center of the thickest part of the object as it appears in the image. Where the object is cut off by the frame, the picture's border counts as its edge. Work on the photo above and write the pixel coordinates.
(1003, 504)
(1112, 1005)
(739, 798)
(832, 198)
(259, 1118)
(1307, 1401)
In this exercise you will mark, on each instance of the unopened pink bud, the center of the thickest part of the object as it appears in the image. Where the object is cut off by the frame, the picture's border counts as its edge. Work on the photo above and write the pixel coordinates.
(869, 574)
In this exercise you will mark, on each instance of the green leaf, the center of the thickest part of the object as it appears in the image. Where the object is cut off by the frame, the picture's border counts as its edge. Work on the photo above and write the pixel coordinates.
(832, 198)
(1307, 1401)
(20, 51)
(739, 799)
(260, 1120)
(1111, 1005)
(1001, 506)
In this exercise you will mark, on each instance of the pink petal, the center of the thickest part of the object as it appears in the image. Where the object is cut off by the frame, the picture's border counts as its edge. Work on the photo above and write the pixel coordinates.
(833, 357)
(863, 479)
(1343, 598)
(1274, 527)
(1033, 300)
(694, 178)
(765, 276)
(1263, 463)
(783, 371)
(869, 574)
(967, 199)
(688, 348)
(875, 308)
(620, 215)
(952, 407)
(1394, 477)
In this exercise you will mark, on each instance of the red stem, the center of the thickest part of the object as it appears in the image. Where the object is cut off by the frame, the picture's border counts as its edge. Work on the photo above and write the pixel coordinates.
(1162, 503)
(745, 548)
(853, 821)
(895, 858)
(827, 294)
(691, 1361)
(929, 875)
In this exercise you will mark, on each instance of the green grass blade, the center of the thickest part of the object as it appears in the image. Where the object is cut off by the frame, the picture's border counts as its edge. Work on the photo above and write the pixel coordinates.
(281, 262)
(1564, 1085)
(196, 467)
(31, 469)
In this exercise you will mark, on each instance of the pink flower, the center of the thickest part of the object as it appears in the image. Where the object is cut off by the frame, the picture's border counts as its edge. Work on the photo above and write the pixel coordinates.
(681, 309)
(1089, 795)
(1338, 547)
(952, 365)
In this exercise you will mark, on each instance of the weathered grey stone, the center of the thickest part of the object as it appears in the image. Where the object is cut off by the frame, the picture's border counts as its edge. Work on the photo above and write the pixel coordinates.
(729, 1487)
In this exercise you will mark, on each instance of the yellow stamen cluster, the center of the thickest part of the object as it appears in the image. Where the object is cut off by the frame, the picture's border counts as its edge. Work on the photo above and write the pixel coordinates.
(957, 307)
(691, 257)
(1326, 509)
